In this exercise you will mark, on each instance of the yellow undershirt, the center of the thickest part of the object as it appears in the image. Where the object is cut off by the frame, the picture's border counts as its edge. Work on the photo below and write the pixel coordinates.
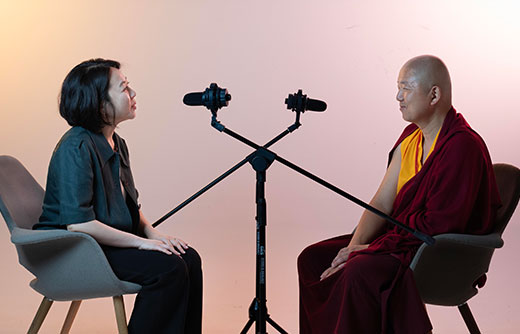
(411, 156)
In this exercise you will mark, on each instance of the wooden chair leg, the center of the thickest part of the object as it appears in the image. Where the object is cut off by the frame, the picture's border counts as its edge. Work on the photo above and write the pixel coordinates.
(73, 310)
(119, 306)
(45, 305)
(469, 319)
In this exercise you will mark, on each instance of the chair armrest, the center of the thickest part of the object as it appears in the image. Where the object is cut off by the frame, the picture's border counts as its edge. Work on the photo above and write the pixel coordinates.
(454, 241)
(22, 236)
(446, 272)
(67, 265)
(493, 240)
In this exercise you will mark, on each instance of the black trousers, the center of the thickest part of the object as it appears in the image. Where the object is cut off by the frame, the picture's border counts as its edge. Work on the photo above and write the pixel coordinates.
(171, 298)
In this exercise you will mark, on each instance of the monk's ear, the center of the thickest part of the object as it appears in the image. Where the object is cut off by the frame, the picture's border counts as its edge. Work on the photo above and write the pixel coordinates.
(435, 95)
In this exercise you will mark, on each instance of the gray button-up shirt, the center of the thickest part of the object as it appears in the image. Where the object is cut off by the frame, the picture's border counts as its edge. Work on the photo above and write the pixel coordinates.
(84, 183)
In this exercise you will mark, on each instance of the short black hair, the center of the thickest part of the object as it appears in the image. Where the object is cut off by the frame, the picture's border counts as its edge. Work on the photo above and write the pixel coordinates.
(85, 91)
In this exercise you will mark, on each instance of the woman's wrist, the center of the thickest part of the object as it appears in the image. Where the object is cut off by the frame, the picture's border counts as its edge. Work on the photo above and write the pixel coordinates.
(136, 241)
(149, 231)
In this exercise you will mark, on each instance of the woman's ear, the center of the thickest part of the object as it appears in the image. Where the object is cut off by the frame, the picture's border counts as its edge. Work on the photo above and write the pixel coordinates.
(104, 110)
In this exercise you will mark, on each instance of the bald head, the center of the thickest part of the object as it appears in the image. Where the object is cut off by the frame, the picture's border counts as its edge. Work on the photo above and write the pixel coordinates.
(430, 71)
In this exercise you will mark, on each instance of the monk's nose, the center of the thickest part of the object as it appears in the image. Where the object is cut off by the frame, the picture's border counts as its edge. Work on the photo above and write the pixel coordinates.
(399, 96)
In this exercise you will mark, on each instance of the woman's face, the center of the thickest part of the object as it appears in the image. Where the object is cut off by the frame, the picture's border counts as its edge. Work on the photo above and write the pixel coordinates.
(122, 98)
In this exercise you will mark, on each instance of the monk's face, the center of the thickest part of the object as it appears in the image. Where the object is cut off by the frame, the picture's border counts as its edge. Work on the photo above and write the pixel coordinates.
(413, 98)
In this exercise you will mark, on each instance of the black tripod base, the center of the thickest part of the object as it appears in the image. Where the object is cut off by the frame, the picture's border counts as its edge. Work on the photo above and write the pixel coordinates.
(254, 314)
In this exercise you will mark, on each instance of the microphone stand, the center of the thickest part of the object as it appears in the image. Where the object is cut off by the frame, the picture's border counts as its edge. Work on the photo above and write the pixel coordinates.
(260, 160)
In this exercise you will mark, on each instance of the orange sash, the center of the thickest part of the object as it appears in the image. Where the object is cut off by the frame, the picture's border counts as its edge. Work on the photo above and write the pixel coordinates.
(411, 156)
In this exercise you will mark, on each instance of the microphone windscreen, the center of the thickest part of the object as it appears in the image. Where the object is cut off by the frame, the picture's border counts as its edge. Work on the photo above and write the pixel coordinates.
(316, 105)
(193, 99)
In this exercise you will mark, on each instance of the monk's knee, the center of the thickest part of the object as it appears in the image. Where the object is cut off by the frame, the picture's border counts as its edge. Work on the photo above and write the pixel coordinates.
(369, 270)
(358, 270)
(306, 257)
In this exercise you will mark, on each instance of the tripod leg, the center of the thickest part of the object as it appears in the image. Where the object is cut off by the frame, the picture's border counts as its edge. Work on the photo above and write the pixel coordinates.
(275, 325)
(247, 326)
(469, 319)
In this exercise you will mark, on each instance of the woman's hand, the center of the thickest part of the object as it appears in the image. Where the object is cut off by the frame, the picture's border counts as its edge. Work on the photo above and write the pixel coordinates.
(340, 259)
(155, 245)
(174, 245)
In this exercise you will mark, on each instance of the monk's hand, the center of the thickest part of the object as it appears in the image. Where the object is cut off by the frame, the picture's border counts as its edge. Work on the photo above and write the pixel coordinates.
(344, 253)
(340, 259)
(331, 270)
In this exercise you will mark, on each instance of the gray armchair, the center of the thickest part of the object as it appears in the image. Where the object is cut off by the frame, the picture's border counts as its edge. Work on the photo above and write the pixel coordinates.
(449, 272)
(69, 266)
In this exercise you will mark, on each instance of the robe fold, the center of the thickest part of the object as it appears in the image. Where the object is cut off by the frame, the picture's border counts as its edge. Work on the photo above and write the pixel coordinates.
(454, 192)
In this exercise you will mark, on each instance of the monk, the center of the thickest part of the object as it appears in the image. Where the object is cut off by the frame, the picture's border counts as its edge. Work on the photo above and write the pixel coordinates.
(439, 180)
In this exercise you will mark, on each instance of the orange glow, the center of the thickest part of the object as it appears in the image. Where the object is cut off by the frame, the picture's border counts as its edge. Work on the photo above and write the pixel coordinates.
(347, 53)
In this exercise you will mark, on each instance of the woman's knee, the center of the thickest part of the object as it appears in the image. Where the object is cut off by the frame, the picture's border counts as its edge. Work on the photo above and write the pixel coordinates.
(194, 267)
(192, 258)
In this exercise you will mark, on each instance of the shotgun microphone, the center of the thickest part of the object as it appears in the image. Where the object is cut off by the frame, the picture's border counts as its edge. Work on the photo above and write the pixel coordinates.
(300, 103)
(212, 98)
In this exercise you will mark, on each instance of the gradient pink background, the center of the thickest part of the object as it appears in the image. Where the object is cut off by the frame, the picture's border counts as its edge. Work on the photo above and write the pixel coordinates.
(347, 53)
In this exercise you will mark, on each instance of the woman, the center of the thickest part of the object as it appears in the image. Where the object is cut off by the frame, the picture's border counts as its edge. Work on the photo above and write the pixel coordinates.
(90, 189)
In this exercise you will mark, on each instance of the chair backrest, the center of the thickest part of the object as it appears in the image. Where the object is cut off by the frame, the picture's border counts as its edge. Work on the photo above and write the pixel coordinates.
(508, 182)
(21, 196)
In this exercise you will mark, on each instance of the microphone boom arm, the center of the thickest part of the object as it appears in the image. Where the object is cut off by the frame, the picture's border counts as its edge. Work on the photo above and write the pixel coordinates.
(221, 128)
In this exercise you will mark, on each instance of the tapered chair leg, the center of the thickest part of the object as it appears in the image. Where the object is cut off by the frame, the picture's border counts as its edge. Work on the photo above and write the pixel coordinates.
(73, 310)
(45, 305)
(469, 319)
(119, 306)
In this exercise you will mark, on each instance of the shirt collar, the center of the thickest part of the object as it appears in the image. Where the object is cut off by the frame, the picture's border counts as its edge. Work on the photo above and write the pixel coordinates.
(123, 154)
(106, 152)
(103, 149)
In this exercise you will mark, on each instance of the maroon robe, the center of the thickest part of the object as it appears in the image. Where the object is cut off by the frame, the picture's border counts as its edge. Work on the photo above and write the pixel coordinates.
(454, 192)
